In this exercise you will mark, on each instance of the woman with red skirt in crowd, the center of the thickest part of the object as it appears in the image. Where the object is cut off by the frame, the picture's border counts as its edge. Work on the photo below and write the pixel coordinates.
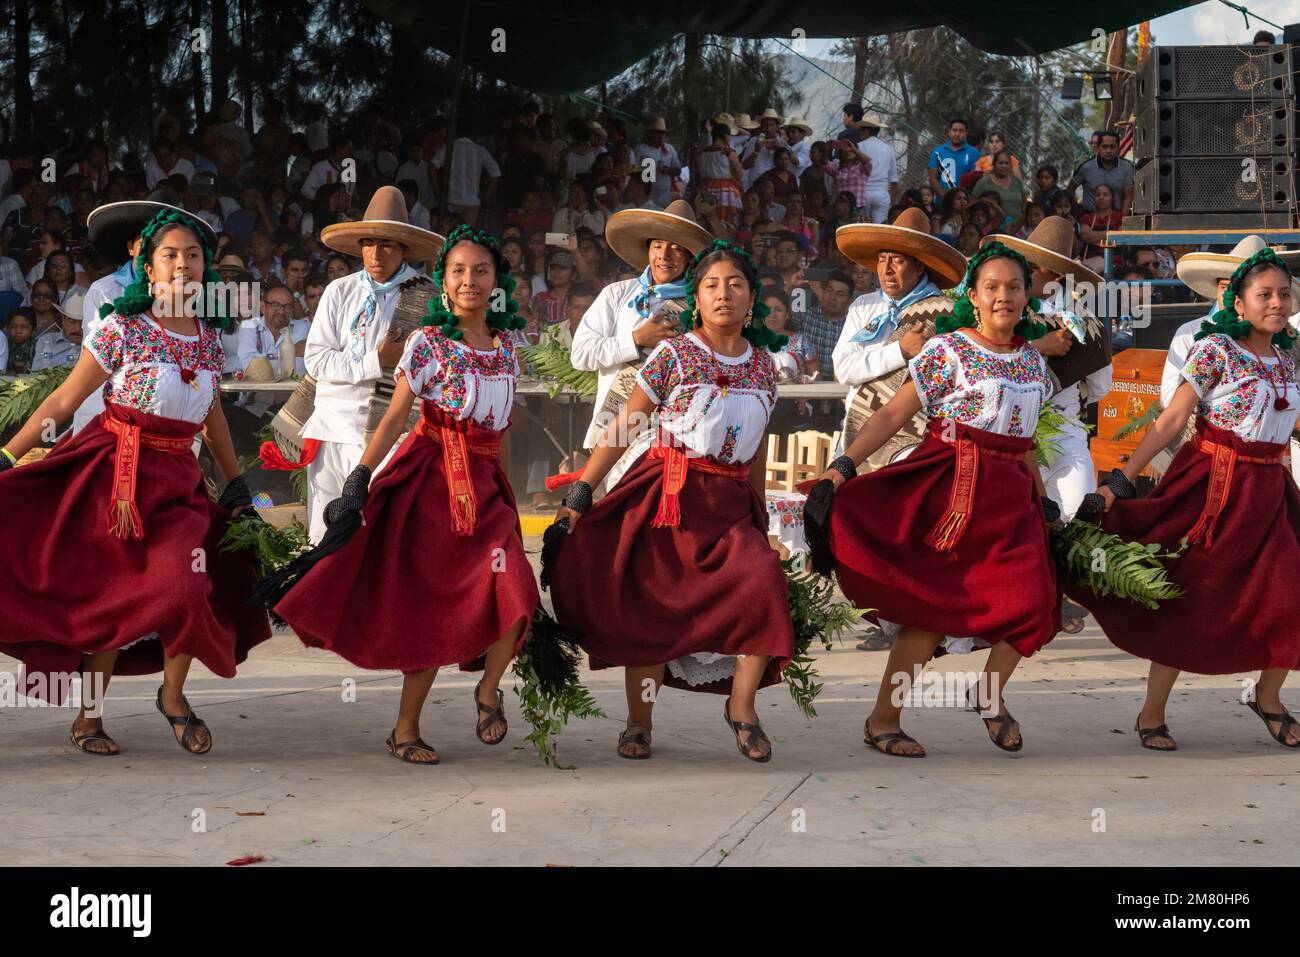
(671, 575)
(426, 567)
(953, 539)
(1230, 495)
(112, 535)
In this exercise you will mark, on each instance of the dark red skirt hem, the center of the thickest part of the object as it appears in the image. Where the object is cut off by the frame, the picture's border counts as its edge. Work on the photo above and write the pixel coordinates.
(642, 596)
(998, 583)
(1254, 557)
(407, 593)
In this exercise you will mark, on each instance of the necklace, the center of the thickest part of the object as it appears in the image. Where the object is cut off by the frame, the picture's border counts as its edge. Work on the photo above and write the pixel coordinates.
(187, 375)
(1015, 341)
(722, 381)
(1279, 388)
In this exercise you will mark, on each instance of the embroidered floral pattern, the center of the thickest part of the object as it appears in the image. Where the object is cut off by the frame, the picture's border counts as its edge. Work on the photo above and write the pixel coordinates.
(453, 375)
(958, 379)
(728, 451)
(1233, 385)
(1015, 426)
(934, 372)
(135, 349)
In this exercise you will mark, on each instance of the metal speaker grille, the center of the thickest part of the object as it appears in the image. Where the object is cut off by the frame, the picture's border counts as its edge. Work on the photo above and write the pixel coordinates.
(1208, 184)
(1223, 71)
(1233, 126)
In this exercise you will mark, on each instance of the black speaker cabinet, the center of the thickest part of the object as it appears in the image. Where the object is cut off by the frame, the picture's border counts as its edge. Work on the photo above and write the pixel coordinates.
(1216, 73)
(1212, 128)
(1215, 184)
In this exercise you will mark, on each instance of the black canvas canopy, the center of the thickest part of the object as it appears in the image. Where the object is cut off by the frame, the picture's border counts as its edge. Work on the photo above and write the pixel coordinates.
(560, 46)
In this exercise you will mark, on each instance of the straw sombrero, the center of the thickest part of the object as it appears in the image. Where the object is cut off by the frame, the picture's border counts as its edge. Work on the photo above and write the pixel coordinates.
(1049, 245)
(629, 231)
(111, 226)
(799, 123)
(1201, 272)
(385, 218)
(910, 235)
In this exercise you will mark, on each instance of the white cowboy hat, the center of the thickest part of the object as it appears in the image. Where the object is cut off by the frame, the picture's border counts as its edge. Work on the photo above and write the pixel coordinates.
(745, 122)
(72, 306)
(385, 218)
(656, 124)
(910, 235)
(629, 231)
(1049, 245)
(872, 120)
(799, 123)
(768, 114)
(1201, 272)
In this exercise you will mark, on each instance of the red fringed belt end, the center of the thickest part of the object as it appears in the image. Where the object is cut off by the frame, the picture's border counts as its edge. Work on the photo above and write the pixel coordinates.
(676, 465)
(273, 458)
(123, 516)
(952, 525)
(457, 445)
(1224, 462)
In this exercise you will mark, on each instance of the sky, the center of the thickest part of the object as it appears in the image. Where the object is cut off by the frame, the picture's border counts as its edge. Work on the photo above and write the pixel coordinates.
(1213, 22)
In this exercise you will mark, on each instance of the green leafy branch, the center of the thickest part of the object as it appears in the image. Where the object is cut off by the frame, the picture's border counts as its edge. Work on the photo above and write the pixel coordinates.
(547, 713)
(1109, 565)
(1052, 424)
(270, 547)
(552, 364)
(20, 398)
(817, 617)
(1136, 423)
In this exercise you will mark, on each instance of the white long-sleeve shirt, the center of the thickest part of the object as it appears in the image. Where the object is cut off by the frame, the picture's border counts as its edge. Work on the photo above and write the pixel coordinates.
(1171, 377)
(343, 384)
(603, 342)
(256, 339)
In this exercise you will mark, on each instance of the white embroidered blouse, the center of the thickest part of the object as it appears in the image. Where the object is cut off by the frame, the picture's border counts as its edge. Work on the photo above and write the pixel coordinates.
(680, 376)
(143, 370)
(464, 382)
(1236, 392)
(997, 392)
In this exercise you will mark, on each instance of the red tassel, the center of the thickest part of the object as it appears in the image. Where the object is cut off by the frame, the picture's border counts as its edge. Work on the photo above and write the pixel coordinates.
(947, 532)
(273, 459)
(564, 478)
(674, 478)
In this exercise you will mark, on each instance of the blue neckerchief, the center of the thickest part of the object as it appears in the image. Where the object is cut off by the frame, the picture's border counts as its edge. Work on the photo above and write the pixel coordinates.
(126, 274)
(370, 308)
(663, 292)
(886, 322)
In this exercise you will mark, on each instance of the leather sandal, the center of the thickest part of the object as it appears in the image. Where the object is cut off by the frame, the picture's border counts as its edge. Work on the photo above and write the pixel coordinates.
(1286, 719)
(639, 738)
(755, 735)
(493, 715)
(97, 735)
(889, 740)
(402, 750)
(999, 734)
(1146, 734)
(190, 721)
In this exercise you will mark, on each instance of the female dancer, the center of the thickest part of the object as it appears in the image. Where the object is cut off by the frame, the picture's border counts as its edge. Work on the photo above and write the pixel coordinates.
(121, 538)
(442, 510)
(673, 565)
(952, 540)
(1228, 492)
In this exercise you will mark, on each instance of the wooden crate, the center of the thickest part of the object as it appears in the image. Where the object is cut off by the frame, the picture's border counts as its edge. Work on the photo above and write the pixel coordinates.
(1135, 386)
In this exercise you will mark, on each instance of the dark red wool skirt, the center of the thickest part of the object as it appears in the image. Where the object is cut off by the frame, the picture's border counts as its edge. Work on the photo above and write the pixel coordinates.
(71, 588)
(406, 592)
(1241, 608)
(641, 596)
(998, 583)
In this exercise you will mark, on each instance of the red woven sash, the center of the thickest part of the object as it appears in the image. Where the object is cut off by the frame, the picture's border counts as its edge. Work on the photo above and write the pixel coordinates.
(952, 525)
(457, 445)
(1224, 462)
(123, 516)
(273, 458)
(676, 465)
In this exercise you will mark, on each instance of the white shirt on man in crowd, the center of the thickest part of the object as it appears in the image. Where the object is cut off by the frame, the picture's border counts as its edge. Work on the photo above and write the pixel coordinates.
(468, 161)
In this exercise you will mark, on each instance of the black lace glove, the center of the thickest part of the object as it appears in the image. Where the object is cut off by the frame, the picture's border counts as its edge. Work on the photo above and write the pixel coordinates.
(355, 490)
(1051, 510)
(579, 497)
(1120, 484)
(236, 495)
(817, 526)
(1091, 509)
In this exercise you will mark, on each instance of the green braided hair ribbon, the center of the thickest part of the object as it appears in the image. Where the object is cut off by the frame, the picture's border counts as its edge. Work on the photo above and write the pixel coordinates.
(756, 330)
(963, 310)
(499, 320)
(1227, 322)
(138, 298)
